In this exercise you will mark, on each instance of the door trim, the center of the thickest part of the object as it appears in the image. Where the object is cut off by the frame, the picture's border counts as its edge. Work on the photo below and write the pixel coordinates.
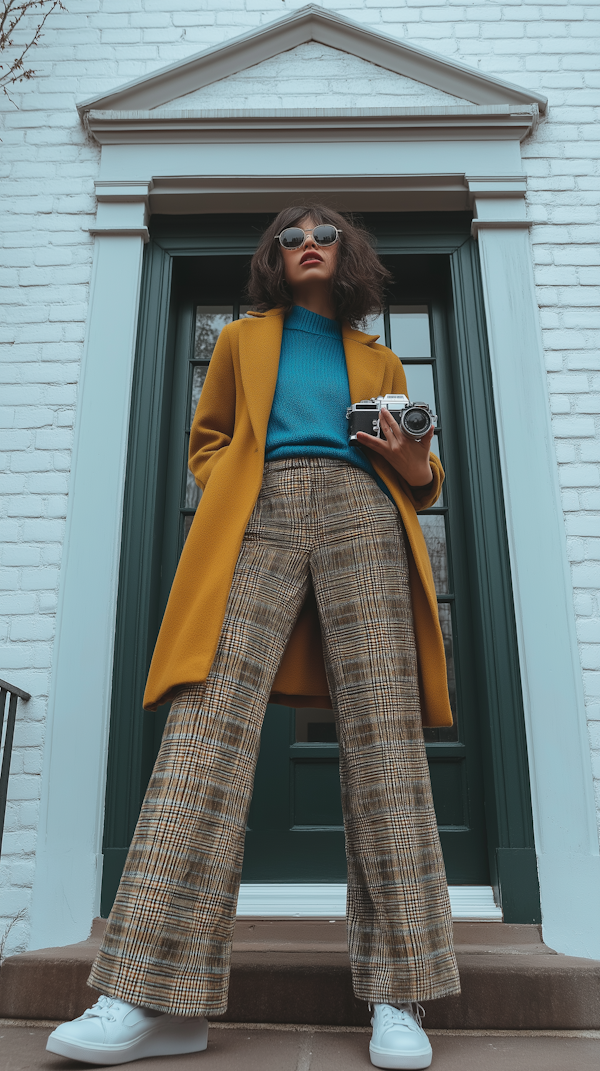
(511, 850)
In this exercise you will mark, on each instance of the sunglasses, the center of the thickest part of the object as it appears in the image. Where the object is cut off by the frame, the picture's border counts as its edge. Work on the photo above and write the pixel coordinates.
(294, 237)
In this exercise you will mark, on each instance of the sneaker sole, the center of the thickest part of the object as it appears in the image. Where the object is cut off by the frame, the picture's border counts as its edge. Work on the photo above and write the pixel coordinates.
(174, 1040)
(396, 1061)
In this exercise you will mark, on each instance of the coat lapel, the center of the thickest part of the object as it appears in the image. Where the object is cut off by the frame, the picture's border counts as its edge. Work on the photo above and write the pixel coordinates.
(260, 345)
(366, 366)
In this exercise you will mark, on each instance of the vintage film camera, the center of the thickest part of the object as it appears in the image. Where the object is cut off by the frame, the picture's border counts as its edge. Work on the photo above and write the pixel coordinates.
(415, 418)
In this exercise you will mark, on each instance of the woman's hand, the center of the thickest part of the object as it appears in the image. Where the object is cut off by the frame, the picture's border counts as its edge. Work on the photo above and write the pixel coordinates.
(409, 457)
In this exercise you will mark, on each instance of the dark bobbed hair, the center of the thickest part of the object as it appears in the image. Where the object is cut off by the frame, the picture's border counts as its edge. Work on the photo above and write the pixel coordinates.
(359, 279)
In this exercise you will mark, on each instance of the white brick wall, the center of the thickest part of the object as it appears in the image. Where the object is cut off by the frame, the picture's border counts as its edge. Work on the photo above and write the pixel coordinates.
(46, 168)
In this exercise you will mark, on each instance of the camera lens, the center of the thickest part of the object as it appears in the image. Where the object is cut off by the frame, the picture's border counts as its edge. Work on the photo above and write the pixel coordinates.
(415, 422)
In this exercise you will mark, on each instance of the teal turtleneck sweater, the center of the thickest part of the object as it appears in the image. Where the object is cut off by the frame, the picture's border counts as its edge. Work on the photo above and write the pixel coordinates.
(308, 415)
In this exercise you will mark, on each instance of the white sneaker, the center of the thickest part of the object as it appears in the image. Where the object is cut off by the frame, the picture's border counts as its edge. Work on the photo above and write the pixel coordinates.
(399, 1040)
(114, 1032)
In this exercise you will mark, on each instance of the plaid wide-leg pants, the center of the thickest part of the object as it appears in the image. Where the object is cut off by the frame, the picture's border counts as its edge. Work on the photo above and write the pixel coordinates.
(168, 940)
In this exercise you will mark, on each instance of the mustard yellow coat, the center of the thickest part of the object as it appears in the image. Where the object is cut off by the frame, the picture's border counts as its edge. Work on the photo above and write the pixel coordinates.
(227, 450)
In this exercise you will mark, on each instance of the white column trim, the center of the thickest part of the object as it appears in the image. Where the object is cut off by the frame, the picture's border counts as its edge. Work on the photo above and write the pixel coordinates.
(499, 224)
(69, 847)
(565, 828)
(123, 209)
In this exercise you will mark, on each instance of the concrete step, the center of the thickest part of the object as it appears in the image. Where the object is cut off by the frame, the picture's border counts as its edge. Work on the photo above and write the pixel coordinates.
(297, 971)
(237, 1047)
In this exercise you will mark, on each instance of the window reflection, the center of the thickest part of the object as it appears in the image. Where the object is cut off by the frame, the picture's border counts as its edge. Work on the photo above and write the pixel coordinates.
(450, 734)
(210, 321)
(187, 524)
(193, 494)
(434, 530)
(198, 376)
(409, 330)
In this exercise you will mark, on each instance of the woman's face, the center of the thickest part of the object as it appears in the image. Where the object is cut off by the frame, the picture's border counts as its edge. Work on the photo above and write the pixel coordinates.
(311, 264)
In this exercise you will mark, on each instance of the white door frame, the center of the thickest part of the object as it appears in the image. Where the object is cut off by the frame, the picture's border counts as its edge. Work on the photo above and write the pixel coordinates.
(437, 159)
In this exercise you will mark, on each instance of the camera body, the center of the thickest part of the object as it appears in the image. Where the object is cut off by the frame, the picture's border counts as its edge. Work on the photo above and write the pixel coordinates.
(415, 418)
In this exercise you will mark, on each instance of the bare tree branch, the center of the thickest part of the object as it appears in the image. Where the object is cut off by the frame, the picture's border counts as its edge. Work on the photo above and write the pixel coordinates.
(12, 13)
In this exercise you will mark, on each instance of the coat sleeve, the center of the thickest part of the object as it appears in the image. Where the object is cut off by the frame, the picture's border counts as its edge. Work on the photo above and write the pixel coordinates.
(214, 419)
(420, 497)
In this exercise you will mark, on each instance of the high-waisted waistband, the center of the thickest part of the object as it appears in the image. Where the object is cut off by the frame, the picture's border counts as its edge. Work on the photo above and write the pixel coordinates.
(309, 462)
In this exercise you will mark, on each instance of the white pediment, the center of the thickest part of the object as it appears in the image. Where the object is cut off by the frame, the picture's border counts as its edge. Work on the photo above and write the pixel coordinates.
(312, 75)
(391, 67)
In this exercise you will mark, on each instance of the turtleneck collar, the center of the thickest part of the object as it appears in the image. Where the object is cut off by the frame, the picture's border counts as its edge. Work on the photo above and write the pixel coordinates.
(299, 319)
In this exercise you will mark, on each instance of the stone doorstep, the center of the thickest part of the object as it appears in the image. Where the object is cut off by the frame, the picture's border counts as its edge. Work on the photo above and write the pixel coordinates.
(297, 971)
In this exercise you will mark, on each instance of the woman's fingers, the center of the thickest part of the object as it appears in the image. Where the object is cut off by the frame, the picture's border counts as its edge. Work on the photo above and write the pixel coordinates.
(381, 446)
(408, 456)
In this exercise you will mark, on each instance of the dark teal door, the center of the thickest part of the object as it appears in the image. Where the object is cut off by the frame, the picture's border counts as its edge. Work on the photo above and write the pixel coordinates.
(295, 826)
(194, 275)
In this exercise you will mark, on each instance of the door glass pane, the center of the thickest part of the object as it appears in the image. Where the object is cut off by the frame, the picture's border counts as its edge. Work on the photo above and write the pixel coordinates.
(419, 380)
(193, 494)
(315, 726)
(198, 376)
(210, 321)
(187, 523)
(409, 328)
(434, 530)
(435, 449)
(445, 615)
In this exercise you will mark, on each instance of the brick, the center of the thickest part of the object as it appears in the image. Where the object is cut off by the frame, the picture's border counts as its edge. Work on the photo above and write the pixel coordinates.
(586, 576)
(583, 603)
(570, 501)
(24, 506)
(47, 603)
(587, 403)
(573, 427)
(15, 656)
(11, 483)
(31, 461)
(42, 531)
(31, 628)
(589, 450)
(14, 439)
(588, 359)
(568, 384)
(560, 404)
(591, 683)
(590, 500)
(9, 579)
(53, 439)
(20, 554)
(589, 631)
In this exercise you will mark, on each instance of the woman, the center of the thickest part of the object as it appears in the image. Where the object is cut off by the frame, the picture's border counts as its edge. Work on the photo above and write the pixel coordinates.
(305, 577)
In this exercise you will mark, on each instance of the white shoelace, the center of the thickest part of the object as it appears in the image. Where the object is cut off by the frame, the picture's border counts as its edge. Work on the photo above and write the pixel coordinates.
(101, 1009)
(392, 1016)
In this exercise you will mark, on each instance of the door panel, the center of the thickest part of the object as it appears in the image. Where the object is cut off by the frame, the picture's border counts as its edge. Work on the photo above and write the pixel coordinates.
(295, 830)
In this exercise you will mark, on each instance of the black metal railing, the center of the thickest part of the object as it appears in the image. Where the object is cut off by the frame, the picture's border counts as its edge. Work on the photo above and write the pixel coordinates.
(15, 694)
